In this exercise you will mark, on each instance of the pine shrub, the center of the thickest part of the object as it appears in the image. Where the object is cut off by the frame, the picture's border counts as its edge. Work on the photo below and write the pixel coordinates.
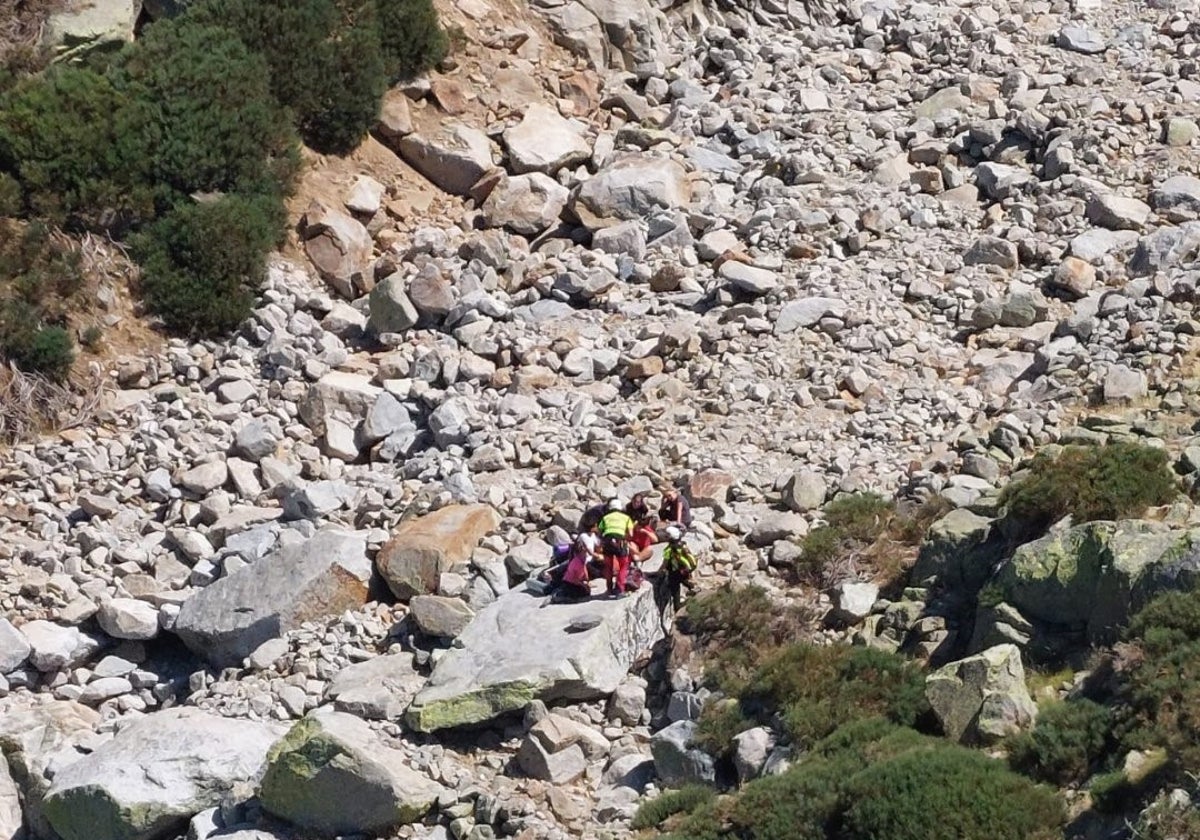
(202, 263)
(206, 101)
(78, 147)
(412, 39)
(687, 798)
(947, 792)
(1114, 481)
(1067, 740)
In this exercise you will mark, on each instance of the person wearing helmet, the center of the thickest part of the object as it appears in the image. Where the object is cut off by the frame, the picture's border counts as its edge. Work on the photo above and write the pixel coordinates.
(679, 563)
(616, 529)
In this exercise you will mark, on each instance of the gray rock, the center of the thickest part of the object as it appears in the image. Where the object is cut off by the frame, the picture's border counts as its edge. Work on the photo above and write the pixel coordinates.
(365, 196)
(853, 600)
(1165, 248)
(391, 309)
(777, 525)
(991, 250)
(627, 238)
(440, 616)
(630, 188)
(14, 649)
(128, 618)
(627, 703)
(1177, 198)
(806, 312)
(228, 620)
(202, 479)
(156, 773)
(1123, 385)
(96, 505)
(254, 441)
(1117, 212)
(300, 499)
(525, 204)
(747, 278)
(1081, 39)
(676, 761)
(330, 759)
(750, 751)
(105, 688)
(54, 647)
(514, 652)
(982, 697)
(544, 142)
(999, 180)
(39, 740)
(805, 491)
(1180, 132)
(338, 245)
(386, 417)
(377, 689)
(453, 157)
(12, 818)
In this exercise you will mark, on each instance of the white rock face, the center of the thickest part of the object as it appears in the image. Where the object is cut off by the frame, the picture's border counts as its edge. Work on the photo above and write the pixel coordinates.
(155, 774)
(12, 818)
(54, 647)
(525, 204)
(453, 158)
(631, 187)
(14, 647)
(514, 651)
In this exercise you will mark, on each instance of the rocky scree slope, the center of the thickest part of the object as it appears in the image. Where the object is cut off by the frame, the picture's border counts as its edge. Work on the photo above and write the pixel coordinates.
(773, 258)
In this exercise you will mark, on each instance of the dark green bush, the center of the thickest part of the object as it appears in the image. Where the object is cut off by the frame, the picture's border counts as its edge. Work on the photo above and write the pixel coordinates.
(1066, 742)
(1166, 623)
(718, 725)
(207, 102)
(325, 58)
(687, 798)
(947, 792)
(818, 689)
(201, 263)
(1114, 481)
(411, 37)
(859, 516)
(50, 353)
(738, 627)
(79, 148)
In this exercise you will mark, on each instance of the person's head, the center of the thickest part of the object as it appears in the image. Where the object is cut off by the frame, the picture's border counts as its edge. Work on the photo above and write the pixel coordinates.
(674, 534)
(638, 501)
(615, 504)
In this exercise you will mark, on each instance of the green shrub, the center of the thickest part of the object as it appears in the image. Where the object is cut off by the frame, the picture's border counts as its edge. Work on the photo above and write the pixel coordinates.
(1068, 739)
(738, 627)
(1114, 481)
(325, 57)
(202, 262)
(859, 516)
(206, 100)
(718, 725)
(79, 149)
(947, 792)
(687, 798)
(411, 37)
(50, 353)
(1167, 622)
(818, 549)
(11, 200)
(818, 689)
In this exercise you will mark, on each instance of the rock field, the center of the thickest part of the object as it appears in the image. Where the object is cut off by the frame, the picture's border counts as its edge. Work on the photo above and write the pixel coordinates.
(764, 254)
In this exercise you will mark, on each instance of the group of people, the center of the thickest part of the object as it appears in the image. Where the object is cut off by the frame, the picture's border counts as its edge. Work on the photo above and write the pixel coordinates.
(615, 539)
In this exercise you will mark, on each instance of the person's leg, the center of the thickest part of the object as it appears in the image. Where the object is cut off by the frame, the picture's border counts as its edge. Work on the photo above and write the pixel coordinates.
(674, 583)
(622, 572)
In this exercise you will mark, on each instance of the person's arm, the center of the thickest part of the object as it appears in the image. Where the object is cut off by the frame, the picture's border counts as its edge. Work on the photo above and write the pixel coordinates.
(678, 517)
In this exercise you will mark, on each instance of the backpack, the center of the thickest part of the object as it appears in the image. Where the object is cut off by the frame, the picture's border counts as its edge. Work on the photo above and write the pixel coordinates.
(560, 553)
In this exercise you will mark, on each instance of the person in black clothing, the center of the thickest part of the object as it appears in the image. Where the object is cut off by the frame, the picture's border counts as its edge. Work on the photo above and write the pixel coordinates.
(675, 509)
(637, 509)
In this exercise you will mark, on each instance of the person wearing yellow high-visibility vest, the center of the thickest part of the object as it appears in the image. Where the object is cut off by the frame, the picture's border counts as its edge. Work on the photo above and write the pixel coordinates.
(616, 527)
(679, 563)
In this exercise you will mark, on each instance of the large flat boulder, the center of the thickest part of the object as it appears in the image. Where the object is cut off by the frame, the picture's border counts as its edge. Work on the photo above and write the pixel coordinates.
(39, 740)
(631, 187)
(1095, 575)
(155, 774)
(421, 549)
(519, 649)
(322, 576)
(525, 204)
(337, 393)
(338, 245)
(331, 774)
